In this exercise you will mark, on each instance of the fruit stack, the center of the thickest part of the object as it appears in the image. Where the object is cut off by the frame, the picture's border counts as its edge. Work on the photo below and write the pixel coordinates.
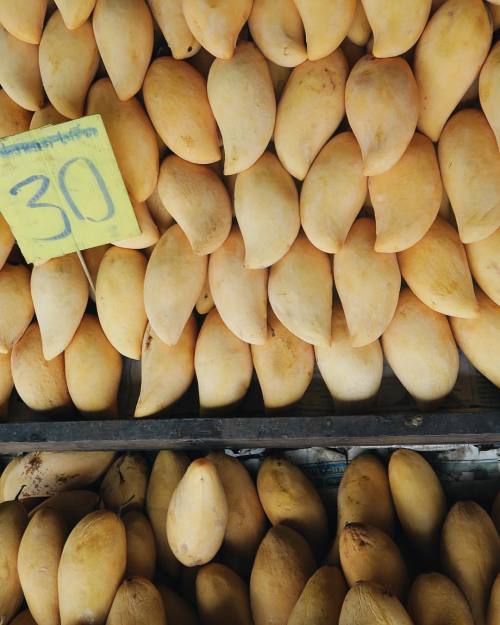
(197, 542)
(319, 181)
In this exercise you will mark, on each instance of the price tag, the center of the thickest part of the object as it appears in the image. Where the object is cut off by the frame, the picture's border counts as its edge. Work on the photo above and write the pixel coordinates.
(61, 190)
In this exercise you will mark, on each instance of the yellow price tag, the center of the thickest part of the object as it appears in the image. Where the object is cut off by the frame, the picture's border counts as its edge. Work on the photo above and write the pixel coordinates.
(61, 189)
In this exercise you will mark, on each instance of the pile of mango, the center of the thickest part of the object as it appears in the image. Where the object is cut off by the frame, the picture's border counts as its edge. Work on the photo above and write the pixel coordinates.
(315, 182)
(197, 542)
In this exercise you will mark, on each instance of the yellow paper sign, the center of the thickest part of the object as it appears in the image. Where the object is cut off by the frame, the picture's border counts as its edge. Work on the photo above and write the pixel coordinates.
(61, 189)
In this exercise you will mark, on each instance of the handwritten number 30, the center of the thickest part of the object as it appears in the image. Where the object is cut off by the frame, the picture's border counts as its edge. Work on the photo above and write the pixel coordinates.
(33, 202)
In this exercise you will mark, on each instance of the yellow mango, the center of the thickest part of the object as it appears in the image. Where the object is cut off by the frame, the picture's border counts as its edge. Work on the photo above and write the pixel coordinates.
(429, 594)
(131, 135)
(419, 346)
(333, 193)
(222, 596)
(75, 12)
(24, 21)
(124, 485)
(279, 76)
(436, 270)
(364, 497)
(137, 602)
(149, 231)
(311, 107)
(60, 294)
(284, 365)
(361, 274)
(367, 601)
(119, 299)
(301, 291)
(418, 498)
(124, 33)
(72, 505)
(493, 617)
(289, 498)
(93, 369)
(352, 374)
(479, 338)
(38, 562)
(91, 568)
(448, 57)
(6, 385)
(245, 112)
(240, 294)
(175, 95)
(396, 27)
(13, 119)
(166, 371)
(489, 90)
(162, 218)
(470, 166)
(381, 100)
(223, 365)
(470, 552)
(41, 384)
(197, 514)
(20, 72)
(93, 257)
(45, 473)
(46, 116)
(277, 29)
(178, 611)
(16, 305)
(68, 63)
(484, 263)
(321, 600)
(282, 566)
(13, 521)
(141, 547)
(217, 24)
(23, 618)
(246, 522)
(326, 23)
(170, 18)
(205, 301)
(266, 205)
(173, 283)
(495, 15)
(407, 197)
(6, 237)
(360, 30)
(198, 201)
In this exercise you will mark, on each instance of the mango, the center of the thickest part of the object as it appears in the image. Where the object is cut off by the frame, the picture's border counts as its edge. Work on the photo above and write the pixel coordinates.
(419, 346)
(240, 294)
(68, 63)
(333, 193)
(470, 166)
(46, 116)
(177, 609)
(494, 605)
(246, 112)
(16, 305)
(279, 76)
(407, 197)
(266, 205)
(428, 594)
(23, 618)
(75, 12)
(381, 100)
(197, 514)
(124, 33)
(92, 258)
(205, 301)
(175, 95)
(38, 562)
(141, 547)
(137, 602)
(284, 365)
(309, 111)
(71, 505)
(360, 30)
(301, 291)
(170, 18)
(216, 25)
(437, 272)
(484, 263)
(6, 237)
(361, 274)
(495, 511)
(6, 385)
(173, 282)
(124, 486)
(489, 91)
(41, 384)
(13, 521)
(166, 371)
(162, 218)
(198, 201)
(24, 21)
(366, 599)
(326, 24)
(119, 299)
(418, 498)
(352, 374)
(13, 119)
(223, 365)
(282, 566)
(149, 234)
(277, 29)
(222, 596)
(470, 552)
(321, 600)
(445, 65)
(479, 338)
